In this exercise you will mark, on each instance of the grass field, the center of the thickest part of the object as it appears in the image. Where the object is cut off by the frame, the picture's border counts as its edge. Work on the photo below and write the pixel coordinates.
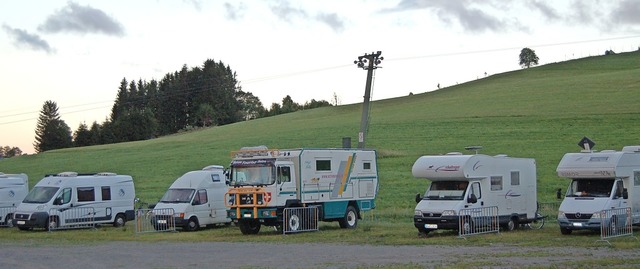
(539, 112)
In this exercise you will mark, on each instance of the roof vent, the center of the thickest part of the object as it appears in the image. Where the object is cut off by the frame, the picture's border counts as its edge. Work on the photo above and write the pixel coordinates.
(105, 174)
(631, 149)
(68, 174)
(213, 167)
(501, 156)
(454, 153)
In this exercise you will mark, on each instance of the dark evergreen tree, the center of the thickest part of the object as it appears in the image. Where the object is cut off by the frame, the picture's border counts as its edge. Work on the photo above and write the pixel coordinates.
(94, 134)
(51, 131)
(82, 136)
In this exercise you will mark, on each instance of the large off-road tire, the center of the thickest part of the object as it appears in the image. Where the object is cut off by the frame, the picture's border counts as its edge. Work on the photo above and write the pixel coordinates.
(350, 219)
(249, 226)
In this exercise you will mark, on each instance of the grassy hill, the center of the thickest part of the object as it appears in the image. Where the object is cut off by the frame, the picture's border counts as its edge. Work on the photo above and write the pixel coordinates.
(540, 112)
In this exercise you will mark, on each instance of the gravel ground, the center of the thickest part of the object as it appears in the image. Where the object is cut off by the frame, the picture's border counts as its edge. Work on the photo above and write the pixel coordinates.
(263, 255)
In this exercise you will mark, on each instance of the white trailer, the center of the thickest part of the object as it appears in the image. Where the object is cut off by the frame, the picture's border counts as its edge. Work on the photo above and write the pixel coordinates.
(340, 183)
(197, 199)
(600, 181)
(110, 198)
(475, 181)
(13, 188)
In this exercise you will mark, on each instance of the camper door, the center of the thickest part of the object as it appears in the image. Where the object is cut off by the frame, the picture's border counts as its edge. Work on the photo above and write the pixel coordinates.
(201, 206)
(474, 196)
(285, 178)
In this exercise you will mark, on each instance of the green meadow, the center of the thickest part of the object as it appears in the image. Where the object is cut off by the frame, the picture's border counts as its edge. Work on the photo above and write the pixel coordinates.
(539, 113)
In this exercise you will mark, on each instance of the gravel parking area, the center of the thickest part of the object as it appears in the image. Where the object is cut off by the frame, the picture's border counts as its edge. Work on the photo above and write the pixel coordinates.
(264, 255)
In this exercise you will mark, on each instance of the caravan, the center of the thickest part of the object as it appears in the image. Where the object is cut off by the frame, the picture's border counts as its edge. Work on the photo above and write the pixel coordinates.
(461, 182)
(600, 181)
(13, 188)
(196, 199)
(107, 197)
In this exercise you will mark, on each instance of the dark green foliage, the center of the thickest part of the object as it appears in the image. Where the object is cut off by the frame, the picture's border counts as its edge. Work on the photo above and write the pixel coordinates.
(51, 131)
(8, 152)
(82, 136)
(528, 58)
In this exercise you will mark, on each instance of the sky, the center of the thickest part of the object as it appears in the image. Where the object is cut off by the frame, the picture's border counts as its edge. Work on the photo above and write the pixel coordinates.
(76, 53)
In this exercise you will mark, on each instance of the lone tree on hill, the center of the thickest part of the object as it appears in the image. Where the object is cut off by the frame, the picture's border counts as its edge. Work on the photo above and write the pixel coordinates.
(528, 58)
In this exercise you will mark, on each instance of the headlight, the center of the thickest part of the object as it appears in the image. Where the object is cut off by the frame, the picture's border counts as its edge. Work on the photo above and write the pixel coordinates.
(596, 215)
(448, 213)
(179, 215)
(417, 213)
(41, 207)
(561, 215)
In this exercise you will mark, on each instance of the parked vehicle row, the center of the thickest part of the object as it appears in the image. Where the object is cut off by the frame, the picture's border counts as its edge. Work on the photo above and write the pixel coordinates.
(339, 184)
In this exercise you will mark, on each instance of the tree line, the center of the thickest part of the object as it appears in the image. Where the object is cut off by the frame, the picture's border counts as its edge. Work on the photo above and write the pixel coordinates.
(204, 96)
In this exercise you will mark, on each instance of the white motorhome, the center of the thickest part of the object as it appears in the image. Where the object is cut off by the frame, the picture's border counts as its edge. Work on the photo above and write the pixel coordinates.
(108, 196)
(475, 181)
(13, 188)
(602, 180)
(340, 183)
(197, 199)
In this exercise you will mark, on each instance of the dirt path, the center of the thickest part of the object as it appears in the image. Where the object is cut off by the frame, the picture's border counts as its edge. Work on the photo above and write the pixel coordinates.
(263, 255)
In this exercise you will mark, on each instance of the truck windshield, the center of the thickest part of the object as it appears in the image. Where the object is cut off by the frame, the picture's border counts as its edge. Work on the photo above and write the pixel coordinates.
(446, 190)
(584, 187)
(178, 196)
(252, 175)
(40, 195)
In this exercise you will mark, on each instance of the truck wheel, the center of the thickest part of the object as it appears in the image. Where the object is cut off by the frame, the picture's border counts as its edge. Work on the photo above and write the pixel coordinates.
(512, 224)
(293, 223)
(192, 224)
(119, 221)
(565, 231)
(249, 226)
(8, 220)
(52, 224)
(350, 219)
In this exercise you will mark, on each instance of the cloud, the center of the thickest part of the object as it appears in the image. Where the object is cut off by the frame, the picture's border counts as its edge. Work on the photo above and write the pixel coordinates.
(234, 12)
(23, 38)
(331, 19)
(627, 12)
(81, 19)
(284, 11)
(469, 17)
(549, 12)
(197, 4)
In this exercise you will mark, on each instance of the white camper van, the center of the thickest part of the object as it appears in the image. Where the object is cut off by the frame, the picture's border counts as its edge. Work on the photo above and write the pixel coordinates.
(13, 188)
(197, 199)
(602, 180)
(108, 196)
(475, 181)
(340, 183)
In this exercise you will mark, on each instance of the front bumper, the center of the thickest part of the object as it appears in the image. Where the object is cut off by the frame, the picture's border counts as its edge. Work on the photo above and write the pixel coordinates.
(32, 220)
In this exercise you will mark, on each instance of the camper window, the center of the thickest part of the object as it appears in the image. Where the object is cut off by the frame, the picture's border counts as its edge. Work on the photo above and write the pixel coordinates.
(40, 195)
(201, 198)
(86, 194)
(323, 165)
(284, 174)
(446, 190)
(106, 193)
(177, 196)
(584, 187)
(515, 178)
(636, 178)
(366, 165)
(496, 183)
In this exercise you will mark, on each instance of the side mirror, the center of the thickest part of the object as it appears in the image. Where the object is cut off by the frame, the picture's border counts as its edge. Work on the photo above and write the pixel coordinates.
(625, 193)
(58, 201)
(418, 198)
(472, 199)
(196, 202)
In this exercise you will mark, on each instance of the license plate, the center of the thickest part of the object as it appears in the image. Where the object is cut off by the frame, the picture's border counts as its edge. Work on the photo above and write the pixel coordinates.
(247, 215)
(431, 226)
(577, 224)
(20, 222)
(162, 221)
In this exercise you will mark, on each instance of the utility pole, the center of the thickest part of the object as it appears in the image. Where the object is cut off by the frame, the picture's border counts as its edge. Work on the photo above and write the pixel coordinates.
(367, 62)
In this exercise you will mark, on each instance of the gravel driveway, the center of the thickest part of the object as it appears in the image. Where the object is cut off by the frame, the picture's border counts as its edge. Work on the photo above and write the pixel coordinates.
(265, 255)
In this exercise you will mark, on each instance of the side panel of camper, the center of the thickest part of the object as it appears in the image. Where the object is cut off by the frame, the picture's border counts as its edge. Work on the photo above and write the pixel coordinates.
(13, 188)
(599, 181)
(197, 199)
(475, 181)
(109, 196)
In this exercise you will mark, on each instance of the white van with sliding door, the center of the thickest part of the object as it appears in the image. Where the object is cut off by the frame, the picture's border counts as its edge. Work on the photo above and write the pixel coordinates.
(69, 199)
